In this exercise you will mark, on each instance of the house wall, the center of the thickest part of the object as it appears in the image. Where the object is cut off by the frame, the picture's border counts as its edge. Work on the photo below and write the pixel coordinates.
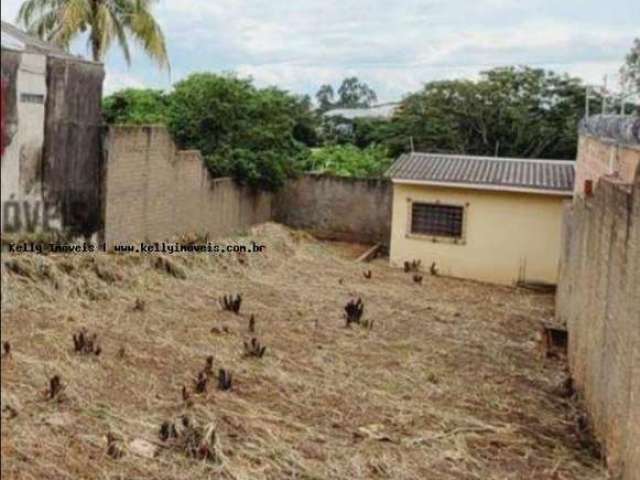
(347, 209)
(599, 299)
(22, 159)
(154, 192)
(509, 237)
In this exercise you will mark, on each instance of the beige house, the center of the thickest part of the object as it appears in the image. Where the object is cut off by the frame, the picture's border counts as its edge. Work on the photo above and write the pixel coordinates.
(496, 220)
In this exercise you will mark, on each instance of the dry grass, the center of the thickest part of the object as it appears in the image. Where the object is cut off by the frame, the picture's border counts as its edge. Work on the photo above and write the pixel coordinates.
(447, 384)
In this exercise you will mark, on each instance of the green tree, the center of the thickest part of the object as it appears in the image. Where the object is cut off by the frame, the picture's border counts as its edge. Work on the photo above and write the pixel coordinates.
(352, 93)
(136, 106)
(105, 21)
(511, 112)
(355, 94)
(325, 97)
(307, 121)
(631, 69)
(241, 130)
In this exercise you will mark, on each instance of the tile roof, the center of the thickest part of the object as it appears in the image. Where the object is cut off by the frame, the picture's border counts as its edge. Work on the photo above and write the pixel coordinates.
(511, 174)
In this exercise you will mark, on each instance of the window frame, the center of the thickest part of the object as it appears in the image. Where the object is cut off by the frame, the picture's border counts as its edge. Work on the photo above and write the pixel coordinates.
(461, 240)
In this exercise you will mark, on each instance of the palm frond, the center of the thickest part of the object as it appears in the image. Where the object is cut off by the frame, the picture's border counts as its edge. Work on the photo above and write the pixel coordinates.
(73, 18)
(33, 8)
(146, 31)
(121, 35)
(61, 21)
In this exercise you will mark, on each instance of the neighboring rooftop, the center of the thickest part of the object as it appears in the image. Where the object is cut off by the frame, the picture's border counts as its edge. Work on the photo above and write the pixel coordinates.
(383, 111)
(485, 173)
(15, 39)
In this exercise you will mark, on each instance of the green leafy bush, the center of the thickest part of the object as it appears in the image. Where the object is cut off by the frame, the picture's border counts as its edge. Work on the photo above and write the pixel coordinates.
(136, 107)
(242, 131)
(350, 161)
(258, 136)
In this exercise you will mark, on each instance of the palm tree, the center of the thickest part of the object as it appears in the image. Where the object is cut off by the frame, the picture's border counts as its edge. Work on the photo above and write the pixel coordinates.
(61, 21)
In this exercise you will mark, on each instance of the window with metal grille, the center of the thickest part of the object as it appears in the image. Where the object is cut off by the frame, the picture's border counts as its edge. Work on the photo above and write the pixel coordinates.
(437, 220)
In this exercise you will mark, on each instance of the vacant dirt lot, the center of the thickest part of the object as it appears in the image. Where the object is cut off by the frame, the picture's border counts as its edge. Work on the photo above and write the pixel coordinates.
(446, 385)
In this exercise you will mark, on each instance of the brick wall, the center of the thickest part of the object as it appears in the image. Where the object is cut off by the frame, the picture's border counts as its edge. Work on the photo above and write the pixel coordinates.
(599, 299)
(153, 191)
(347, 209)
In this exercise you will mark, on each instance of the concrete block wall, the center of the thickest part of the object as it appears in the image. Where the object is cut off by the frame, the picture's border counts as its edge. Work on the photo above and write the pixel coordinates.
(346, 209)
(599, 299)
(154, 192)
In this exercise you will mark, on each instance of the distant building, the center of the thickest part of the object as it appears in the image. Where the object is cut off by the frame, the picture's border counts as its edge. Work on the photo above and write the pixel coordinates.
(497, 220)
(383, 111)
(51, 149)
(341, 120)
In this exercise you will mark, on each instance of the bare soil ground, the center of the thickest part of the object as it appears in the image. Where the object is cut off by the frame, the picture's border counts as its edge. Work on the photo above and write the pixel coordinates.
(446, 385)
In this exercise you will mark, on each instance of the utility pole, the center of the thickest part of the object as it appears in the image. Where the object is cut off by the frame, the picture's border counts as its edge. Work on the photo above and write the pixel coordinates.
(587, 98)
(604, 96)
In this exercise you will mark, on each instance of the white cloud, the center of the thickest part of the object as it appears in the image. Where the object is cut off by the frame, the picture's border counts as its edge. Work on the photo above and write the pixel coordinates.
(395, 46)
(115, 81)
(10, 9)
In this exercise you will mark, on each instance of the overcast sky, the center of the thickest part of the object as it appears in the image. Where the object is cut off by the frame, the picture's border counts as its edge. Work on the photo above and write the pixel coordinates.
(394, 45)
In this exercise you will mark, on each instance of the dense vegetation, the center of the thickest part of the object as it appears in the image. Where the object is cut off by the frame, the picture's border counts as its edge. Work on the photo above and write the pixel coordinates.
(242, 131)
(136, 107)
(350, 161)
(258, 136)
(262, 136)
(510, 112)
(631, 69)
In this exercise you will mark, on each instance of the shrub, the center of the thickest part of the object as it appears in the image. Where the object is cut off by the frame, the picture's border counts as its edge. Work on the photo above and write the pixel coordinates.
(242, 131)
(136, 107)
(350, 161)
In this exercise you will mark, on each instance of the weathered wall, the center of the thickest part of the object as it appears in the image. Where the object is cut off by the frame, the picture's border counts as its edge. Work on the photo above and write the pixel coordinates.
(508, 236)
(73, 142)
(608, 146)
(154, 192)
(22, 158)
(51, 168)
(346, 209)
(599, 299)
(10, 63)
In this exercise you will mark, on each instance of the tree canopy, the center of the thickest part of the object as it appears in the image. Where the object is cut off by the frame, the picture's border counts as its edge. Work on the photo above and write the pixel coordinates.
(258, 136)
(136, 107)
(352, 93)
(630, 71)
(262, 136)
(511, 112)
